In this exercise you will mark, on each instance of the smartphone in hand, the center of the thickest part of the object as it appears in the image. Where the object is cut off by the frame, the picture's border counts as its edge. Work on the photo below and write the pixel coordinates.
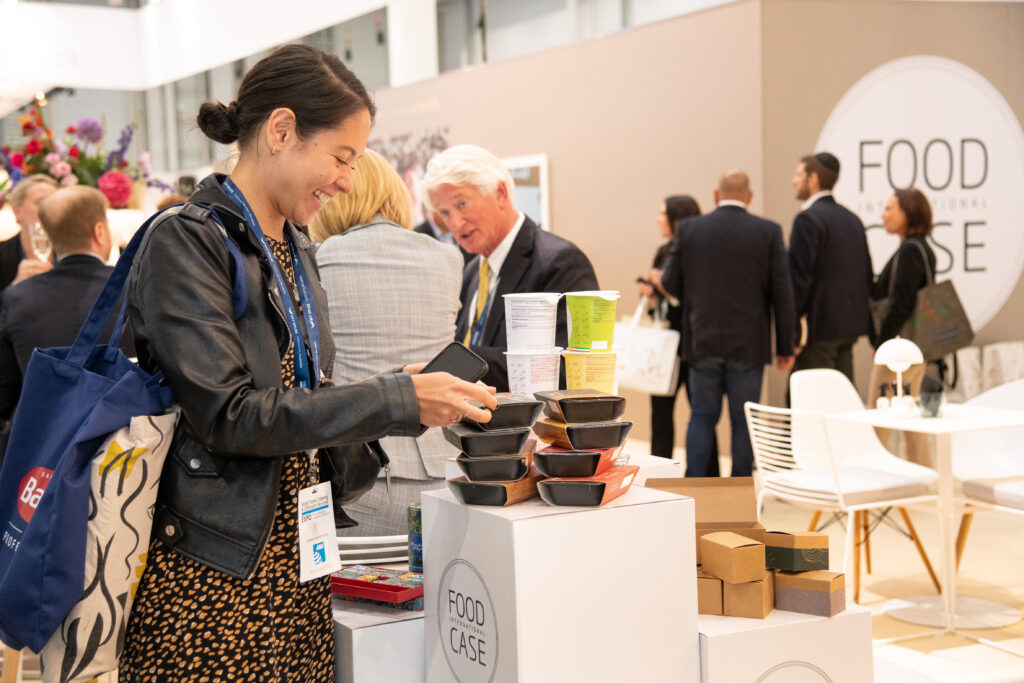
(457, 360)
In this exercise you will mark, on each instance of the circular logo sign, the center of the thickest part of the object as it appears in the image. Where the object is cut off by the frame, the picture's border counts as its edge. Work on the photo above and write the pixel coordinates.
(30, 490)
(936, 125)
(466, 624)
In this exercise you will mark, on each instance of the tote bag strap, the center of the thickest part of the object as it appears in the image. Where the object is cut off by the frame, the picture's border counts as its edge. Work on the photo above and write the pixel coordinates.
(929, 275)
(91, 329)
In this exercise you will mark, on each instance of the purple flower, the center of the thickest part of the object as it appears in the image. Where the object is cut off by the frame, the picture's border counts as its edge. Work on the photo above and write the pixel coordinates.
(89, 129)
(62, 148)
(116, 155)
(145, 164)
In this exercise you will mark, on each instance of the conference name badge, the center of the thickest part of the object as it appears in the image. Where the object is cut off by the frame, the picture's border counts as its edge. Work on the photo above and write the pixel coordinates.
(318, 543)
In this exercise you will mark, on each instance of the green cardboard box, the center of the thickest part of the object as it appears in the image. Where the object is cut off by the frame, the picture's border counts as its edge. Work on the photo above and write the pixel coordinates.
(802, 551)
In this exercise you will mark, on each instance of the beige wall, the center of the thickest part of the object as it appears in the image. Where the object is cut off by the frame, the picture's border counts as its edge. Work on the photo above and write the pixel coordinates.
(625, 121)
(662, 109)
(815, 50)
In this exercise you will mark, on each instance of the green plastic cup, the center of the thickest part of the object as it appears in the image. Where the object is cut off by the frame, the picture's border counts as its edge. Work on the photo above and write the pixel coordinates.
(591, 319)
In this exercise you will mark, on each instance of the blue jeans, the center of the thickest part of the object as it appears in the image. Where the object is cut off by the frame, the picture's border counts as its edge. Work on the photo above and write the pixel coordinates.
(709, 379)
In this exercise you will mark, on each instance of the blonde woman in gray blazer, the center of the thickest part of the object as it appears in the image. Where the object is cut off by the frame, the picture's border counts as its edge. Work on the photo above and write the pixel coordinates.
(393, 297)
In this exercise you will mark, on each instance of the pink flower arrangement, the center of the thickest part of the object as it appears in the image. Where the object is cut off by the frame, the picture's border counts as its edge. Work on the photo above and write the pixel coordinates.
(117, 187)
(77, 158)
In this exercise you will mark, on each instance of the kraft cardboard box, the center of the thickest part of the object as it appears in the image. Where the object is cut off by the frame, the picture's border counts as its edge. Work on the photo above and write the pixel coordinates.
(731, 557)
(786, 646)
(709, 594)
(751, 599)
(722, 504)
(819, 592)
(802, 551)
(533, 592)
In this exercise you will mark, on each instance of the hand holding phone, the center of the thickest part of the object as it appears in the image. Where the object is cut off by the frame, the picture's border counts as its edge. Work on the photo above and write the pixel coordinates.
(443, 400)
(457, 360)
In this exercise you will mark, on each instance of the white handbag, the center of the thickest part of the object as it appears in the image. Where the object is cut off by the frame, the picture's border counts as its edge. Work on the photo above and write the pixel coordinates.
(124, 478)
(648, 357)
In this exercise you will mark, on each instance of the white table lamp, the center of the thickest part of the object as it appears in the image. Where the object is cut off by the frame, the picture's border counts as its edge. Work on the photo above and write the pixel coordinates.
(898, 355)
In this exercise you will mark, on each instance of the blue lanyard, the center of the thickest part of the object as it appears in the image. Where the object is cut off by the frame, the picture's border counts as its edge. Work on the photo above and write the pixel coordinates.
(478, 329)
(302, 376)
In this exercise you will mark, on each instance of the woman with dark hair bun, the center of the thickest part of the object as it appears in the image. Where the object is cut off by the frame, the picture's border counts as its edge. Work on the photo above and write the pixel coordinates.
(232, 591)
(908, 215)
(663, 432)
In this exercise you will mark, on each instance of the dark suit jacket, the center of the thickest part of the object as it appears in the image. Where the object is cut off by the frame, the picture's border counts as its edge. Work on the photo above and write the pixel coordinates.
(426, 229)
(537, 262)
(831, 271)
(44, 311)
(729, 270)
(10, 257)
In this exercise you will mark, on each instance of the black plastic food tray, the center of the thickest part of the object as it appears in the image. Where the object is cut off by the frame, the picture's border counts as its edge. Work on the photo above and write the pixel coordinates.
(567, 463)
(510, 468)
(477, 443)
(584, 436)
(478, 493)
(574, 493)
(582, 405)
(513, 411)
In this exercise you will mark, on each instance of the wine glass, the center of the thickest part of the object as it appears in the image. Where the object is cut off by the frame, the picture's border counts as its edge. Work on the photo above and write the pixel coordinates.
(40, 242)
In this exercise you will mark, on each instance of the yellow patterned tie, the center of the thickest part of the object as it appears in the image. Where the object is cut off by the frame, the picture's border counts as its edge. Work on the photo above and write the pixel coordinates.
(481, 296)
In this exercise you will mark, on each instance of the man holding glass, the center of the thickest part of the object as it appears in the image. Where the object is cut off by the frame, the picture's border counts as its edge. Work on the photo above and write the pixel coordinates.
(47, 310)
(18, 260)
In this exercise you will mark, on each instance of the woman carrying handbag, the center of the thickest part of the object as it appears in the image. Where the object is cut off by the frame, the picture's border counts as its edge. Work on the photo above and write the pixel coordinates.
(235, 586)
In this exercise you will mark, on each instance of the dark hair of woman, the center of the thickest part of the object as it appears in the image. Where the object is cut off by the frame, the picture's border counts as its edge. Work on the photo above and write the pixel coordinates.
(319, 89)
(678, 207)
(919, 212)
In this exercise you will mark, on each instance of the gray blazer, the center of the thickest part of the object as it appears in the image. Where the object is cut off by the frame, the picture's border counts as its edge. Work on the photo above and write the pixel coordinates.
(393, 296)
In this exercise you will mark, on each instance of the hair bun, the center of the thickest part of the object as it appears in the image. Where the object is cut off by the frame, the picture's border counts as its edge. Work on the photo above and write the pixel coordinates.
(219, 122)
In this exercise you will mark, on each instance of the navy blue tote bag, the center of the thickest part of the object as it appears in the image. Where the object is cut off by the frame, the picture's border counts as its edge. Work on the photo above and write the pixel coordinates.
(72, 398)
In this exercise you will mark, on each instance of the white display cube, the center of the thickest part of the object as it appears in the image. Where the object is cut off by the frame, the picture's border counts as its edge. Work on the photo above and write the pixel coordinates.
(787, 647)
(374, 644)
(533, 593)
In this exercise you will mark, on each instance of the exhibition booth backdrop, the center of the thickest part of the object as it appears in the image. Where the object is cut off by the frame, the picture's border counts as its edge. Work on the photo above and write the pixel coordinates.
(626, 120)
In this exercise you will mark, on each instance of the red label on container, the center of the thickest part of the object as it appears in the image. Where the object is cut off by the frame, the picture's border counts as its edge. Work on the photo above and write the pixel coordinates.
(31, 490)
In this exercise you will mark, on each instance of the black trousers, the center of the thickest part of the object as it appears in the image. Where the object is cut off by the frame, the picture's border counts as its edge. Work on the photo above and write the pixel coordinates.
(833, 354)
(663, 429)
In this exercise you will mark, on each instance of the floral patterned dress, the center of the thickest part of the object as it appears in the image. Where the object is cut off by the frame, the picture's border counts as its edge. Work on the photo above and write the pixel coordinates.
(193, 623)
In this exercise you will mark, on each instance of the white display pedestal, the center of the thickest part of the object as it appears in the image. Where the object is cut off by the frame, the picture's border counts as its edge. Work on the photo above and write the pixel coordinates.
(539, 593)
(787, 647)
(374, 644)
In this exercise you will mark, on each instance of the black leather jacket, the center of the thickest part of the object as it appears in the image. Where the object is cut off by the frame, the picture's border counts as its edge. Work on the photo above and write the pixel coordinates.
(220, 482)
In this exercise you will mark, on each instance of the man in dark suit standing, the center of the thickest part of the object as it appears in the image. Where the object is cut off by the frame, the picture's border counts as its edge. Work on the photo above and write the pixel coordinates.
(472, 191)
(831, 269)
(47, 310)
(728, 268)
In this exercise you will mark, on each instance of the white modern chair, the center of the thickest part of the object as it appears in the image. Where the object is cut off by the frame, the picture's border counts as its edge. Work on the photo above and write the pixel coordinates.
(797, 463)
(830, 391)
(374, 550)
(989, 465)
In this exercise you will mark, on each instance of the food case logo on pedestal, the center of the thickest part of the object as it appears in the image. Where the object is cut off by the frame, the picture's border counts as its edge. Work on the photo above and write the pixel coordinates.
(466, 624)
(936, 125)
